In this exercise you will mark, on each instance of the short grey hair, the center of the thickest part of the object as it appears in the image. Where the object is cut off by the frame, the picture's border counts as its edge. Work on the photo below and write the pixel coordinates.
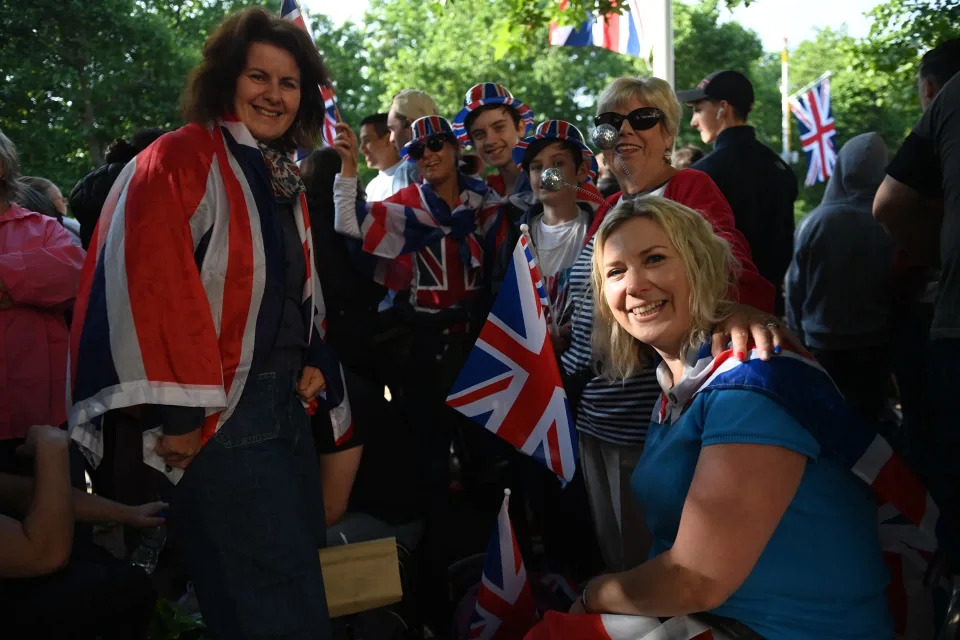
(9, 170)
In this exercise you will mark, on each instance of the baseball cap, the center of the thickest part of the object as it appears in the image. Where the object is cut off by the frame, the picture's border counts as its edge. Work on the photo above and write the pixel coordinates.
(729, 85)
(413, 104)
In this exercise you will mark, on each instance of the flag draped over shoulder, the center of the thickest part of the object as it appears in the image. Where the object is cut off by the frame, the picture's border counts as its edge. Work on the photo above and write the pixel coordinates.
(907, 516)
(511, 382)
(170, 294)
(505, 608)
(620, 32)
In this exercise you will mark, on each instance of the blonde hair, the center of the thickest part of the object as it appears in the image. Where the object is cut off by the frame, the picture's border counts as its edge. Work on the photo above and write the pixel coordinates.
(654, 91)
(707, 261)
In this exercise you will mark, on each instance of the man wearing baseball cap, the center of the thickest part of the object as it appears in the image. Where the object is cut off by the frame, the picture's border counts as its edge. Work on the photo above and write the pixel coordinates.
(759, 186)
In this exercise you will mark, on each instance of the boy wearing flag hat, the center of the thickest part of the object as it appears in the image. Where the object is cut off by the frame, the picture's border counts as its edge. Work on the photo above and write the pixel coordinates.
(493, 121)
(558, 220)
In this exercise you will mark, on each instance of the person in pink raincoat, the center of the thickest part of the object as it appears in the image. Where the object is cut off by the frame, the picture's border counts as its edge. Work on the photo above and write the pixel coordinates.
(39, 274)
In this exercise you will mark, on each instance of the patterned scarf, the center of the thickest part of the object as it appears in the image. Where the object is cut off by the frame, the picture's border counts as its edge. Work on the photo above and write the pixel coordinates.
(284, 174)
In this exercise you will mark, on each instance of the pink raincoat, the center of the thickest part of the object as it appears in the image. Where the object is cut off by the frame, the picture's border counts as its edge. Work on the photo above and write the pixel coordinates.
(40, 267)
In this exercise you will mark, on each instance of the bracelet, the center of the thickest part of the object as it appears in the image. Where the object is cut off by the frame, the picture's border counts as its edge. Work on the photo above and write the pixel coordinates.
(583, 596)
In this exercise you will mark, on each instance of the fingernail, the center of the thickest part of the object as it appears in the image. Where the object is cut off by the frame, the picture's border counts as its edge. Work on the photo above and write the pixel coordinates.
(776, 349)
(741, 355)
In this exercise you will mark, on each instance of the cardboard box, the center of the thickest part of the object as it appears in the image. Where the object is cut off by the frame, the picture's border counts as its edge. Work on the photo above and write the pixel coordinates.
(361, 576)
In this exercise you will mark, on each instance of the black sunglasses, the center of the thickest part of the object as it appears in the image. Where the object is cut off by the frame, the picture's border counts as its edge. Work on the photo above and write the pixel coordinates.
(434, 143)
(640, 119)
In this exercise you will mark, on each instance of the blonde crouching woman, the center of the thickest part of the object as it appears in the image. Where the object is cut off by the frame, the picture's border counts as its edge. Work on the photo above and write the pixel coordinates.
(752, 519)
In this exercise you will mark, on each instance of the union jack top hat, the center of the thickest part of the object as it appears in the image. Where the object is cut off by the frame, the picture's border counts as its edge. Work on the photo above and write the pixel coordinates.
(550, 130)
(424, 128)
(486, 94)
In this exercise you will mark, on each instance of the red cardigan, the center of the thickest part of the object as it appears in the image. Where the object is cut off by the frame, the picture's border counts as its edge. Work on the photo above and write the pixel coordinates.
(698, 191)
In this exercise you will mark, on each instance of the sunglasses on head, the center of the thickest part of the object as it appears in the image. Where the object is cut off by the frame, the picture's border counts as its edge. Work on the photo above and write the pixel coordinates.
(434, 143)
(640, 119)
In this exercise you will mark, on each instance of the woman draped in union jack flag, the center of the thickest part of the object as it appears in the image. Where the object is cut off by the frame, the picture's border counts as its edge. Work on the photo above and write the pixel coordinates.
(772, 506)
(199, 305)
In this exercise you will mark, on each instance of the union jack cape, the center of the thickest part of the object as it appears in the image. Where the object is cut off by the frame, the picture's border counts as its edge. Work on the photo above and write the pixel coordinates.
(168, 305)
(908, 519)
(817, 129)
(426, 247)
(511, 382)
(603, 626)
(505, 608)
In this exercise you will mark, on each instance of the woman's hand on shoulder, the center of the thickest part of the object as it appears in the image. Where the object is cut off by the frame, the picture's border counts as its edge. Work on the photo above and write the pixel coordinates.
(746, 322)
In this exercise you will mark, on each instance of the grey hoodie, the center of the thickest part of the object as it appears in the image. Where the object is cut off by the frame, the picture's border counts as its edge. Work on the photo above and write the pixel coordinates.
(839, 281)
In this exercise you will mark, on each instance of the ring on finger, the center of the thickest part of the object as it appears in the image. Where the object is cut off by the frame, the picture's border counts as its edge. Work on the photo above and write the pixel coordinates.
(773, 325)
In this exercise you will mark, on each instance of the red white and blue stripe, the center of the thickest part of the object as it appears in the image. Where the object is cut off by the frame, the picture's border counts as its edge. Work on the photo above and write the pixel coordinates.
(290, 10)
(426, 247)
(168, 306)
(556, 130)
(907, 516)
(505, 608)
(815, 116)
(511, 382)
(483, 95)
(620, 32)
(423, 128)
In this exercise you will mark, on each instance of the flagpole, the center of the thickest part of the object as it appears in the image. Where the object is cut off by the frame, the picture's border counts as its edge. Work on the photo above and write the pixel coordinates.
(810, 85)
(785, 101)
(663, 41)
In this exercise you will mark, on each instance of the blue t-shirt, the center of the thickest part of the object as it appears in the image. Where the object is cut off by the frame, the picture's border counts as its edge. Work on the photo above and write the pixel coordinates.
(822, 574)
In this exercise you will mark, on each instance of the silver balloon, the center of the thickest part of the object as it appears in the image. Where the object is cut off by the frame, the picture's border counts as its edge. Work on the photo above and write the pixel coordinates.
(605, 137)
(552, 180)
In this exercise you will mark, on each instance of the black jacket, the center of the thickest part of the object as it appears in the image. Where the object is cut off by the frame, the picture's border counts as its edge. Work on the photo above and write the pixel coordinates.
(761, 189)
(88, 196)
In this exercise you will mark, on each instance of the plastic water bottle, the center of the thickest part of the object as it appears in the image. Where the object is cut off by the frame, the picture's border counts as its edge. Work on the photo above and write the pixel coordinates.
(147, 553)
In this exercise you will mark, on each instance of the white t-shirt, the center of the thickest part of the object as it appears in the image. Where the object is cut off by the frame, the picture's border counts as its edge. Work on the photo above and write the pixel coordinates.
(389, 181)
(557, 247)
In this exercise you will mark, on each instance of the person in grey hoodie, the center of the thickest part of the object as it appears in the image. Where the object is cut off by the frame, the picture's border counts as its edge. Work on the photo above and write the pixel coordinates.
(838, 284)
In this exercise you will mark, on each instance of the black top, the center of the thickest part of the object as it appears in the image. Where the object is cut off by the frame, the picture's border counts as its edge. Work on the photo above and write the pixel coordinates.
(88, 196)
(929, 162)
(761, 189)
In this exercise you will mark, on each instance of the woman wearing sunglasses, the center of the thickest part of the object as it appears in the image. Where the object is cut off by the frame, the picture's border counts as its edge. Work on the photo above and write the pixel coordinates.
(611, 417)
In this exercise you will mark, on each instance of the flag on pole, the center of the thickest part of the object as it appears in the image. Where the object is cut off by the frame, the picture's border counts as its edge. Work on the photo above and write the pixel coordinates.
(505, 608)
(811, 106)
(290, 10)
(511, 382)
(620, 32)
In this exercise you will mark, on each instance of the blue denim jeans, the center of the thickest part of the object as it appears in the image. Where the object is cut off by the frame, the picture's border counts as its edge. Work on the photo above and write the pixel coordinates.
(249, 514)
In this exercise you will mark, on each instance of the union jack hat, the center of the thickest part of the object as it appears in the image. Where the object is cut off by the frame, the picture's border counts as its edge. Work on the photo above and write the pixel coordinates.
(485, 94)
(550, 130)
(424, 128)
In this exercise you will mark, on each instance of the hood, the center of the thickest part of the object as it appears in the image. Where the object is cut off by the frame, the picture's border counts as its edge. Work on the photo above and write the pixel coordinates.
(859, 170)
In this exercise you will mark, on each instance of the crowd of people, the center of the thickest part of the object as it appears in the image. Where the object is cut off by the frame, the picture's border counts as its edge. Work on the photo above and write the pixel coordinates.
(256, 353)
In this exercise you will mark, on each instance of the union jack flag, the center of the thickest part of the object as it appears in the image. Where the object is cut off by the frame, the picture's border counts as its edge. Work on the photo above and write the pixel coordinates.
(505, 606)
(817, 129)
(620, 32)
(290, 10)
(511, 383)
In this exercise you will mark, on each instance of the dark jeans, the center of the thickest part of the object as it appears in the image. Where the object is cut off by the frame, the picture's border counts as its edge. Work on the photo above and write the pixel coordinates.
(249, 514)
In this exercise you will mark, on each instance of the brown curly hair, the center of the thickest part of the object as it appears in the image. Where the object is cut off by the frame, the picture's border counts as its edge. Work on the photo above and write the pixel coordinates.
(211, 85)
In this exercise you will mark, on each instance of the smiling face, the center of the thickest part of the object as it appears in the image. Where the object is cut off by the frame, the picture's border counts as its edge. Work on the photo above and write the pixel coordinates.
(378, 152)
(494, 136)
(646, 286)
(556, 155)
(439, 166)
(642, 152)
(267, 94)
